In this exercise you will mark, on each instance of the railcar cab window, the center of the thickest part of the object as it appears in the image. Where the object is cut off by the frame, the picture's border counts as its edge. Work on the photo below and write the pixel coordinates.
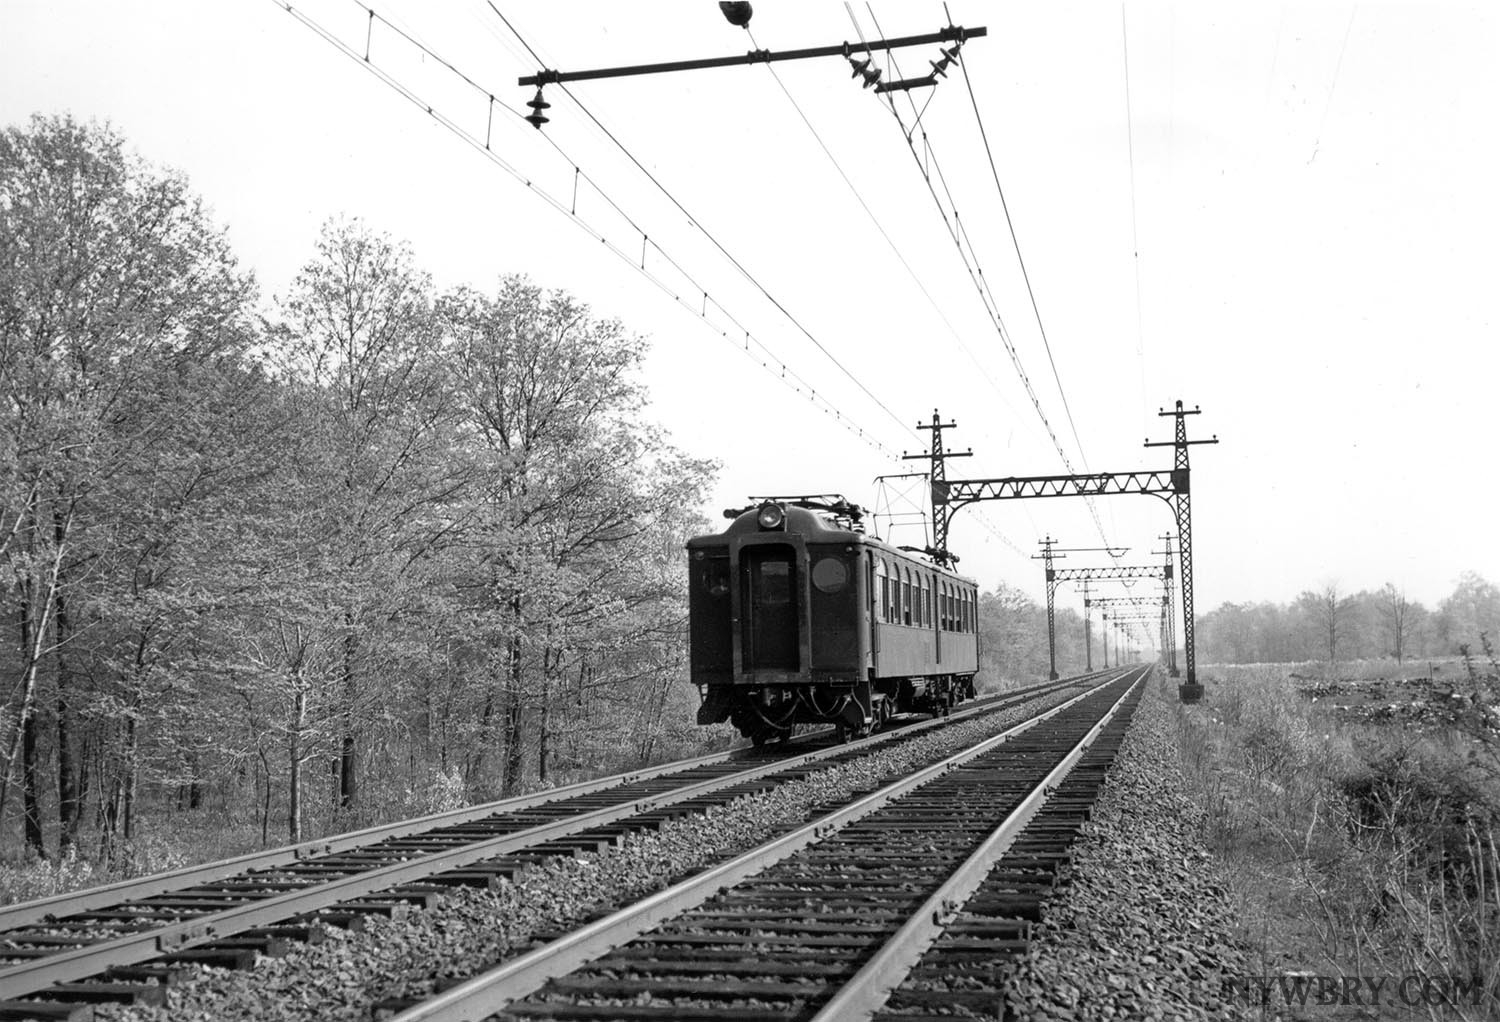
(713, 576)
(774, 582)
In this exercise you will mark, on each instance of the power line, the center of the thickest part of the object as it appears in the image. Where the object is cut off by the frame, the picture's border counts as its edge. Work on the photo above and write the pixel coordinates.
(986, 296)
(795, 382)
(705, 231)
(895, 249)
(1016, 243)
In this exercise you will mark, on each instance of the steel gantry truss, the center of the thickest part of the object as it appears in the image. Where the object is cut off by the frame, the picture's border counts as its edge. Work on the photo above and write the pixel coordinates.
(1118, 573)
(1148, 609)
(1172, 486)
(1121, 621)
(1051, 552)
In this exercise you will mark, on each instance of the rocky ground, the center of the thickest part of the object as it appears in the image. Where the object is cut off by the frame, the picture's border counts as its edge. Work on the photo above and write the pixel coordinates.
(1142, 929)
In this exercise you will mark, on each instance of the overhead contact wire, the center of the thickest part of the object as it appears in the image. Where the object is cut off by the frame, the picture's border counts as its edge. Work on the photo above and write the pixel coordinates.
(698, 225)
(823, 403)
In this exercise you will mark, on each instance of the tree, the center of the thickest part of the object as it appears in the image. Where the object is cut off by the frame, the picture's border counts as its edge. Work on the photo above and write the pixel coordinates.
(571, 483)
(1396, 617)
(1472, 610)
(114, 286)
(1327, 613)
(359, 342)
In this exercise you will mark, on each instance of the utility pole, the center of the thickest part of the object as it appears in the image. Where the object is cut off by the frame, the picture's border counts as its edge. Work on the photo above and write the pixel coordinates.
(1046, 557)
(1169, 634)
(1181, 502)
(1088, 637)
(937, 475)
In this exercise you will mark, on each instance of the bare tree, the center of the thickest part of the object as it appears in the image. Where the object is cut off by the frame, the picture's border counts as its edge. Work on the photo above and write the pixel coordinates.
(1396, 614)
(1333, 617)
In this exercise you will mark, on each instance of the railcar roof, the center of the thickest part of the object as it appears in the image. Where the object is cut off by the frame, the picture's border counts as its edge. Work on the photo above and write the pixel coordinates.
(818, 528)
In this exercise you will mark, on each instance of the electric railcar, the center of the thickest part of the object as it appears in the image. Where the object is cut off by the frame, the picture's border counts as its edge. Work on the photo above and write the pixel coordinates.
(797, 617)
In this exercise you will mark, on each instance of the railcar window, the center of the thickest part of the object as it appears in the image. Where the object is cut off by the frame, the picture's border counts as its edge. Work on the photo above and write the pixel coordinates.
(906, 596)
(774, 582)
(713, 577)
(830, 574)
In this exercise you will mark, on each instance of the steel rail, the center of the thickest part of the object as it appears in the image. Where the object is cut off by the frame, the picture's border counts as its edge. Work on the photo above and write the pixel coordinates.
(869, 988)
(110, 895)
(490, 992)
(33, 977)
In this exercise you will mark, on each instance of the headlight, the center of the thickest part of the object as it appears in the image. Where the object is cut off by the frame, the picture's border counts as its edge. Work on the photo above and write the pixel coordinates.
(771, 516)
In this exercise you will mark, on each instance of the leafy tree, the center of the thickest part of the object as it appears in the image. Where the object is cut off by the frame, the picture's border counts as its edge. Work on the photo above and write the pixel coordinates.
(358, 342)
(1471, 611)
(570, 482)
(114, 289)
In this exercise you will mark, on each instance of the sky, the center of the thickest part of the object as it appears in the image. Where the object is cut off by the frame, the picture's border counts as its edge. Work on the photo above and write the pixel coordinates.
(1285, 216)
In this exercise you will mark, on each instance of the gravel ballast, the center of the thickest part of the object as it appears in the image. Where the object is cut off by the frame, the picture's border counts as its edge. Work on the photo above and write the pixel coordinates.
(1142, 929)
(472, 930)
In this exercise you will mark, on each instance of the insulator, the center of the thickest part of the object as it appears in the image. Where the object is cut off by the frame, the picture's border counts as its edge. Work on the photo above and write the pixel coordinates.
(940, 67)
(871, 77)
(859, 66)
(536, 118)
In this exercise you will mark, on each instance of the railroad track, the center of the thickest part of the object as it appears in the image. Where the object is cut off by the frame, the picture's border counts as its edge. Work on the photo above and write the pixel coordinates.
(123, 942)
(923, 886)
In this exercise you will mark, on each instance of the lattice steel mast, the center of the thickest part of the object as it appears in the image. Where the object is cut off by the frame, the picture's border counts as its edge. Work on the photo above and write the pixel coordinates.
(1174, 487)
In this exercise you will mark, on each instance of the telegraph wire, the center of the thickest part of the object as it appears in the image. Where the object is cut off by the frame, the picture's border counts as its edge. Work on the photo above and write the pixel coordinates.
(795, 383)
(705, 231)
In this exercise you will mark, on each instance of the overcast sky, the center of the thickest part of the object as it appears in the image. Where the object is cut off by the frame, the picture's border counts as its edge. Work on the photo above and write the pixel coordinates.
(1308, 249)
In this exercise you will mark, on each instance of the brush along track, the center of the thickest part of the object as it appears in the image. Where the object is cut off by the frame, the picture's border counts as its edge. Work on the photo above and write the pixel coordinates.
(788, 927)
(227, 921)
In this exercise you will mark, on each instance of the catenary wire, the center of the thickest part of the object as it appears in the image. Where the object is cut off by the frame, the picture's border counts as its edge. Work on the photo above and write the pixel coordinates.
(698, 224)
(960, 237)
(795, 383)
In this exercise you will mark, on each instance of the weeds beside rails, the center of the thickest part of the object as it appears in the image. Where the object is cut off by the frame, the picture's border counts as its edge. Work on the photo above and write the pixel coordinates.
(1356, 849)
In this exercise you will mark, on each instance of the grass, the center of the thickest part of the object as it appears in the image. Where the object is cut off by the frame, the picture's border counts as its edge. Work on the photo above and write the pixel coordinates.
(1355, 849)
